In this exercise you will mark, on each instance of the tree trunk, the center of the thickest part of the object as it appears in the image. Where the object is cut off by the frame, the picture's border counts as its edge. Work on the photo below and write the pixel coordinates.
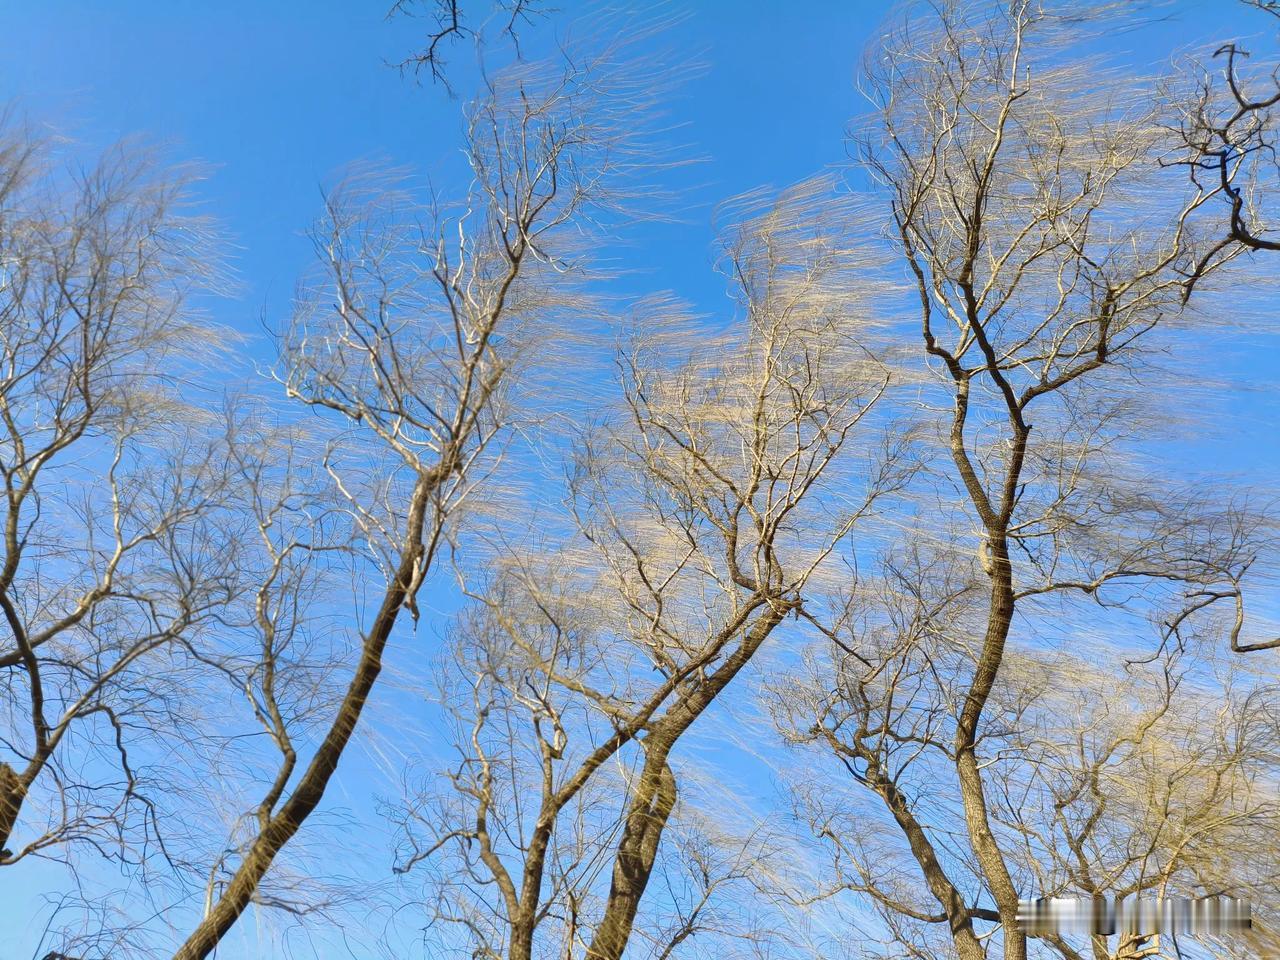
(647, 818)
(12, 793)
(310, 790)
(981, 838)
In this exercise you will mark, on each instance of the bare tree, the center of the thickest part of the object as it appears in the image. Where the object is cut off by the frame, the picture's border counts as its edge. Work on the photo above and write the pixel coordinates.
(110, 555)
(408, 342)
(700, 512)
(1047, 256)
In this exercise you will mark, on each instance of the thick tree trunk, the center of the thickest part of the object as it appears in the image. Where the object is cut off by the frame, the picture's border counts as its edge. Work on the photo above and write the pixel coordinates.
(967, 944)
(647, 818)
(283, 825)
(656, 793)
(981, 838)
(310, 789)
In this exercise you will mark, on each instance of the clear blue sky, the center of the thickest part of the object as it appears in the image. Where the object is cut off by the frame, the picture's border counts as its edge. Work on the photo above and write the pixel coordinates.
(276, 96)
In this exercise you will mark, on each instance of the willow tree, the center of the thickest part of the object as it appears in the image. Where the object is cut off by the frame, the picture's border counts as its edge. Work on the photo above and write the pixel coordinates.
(109, 556)
(700, 510)
(1051, 256)
(406, 341)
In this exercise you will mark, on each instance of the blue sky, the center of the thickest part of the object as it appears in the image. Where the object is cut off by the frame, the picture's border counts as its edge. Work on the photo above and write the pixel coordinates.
(276, 96)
